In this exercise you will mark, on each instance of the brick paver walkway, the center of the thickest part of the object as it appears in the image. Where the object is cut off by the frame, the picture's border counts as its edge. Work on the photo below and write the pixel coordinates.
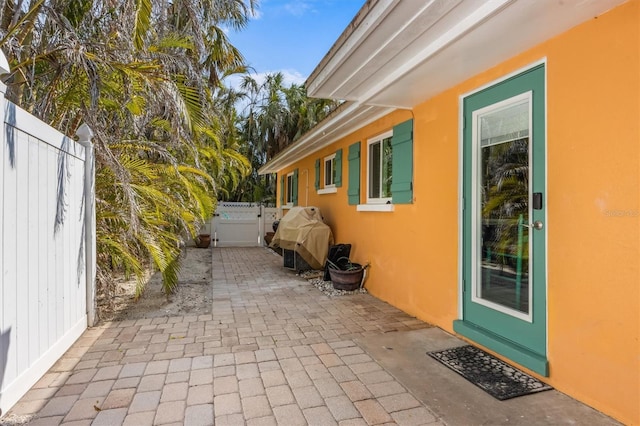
(274, 351)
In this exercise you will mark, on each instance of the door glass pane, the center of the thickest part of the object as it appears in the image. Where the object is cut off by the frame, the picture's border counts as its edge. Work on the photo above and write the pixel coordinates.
(504, 209)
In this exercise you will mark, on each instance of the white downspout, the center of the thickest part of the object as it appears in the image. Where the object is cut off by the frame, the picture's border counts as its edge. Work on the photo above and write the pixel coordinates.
(85, 134)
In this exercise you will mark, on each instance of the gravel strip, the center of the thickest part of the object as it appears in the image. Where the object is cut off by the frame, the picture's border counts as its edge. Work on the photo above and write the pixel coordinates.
(327, 287)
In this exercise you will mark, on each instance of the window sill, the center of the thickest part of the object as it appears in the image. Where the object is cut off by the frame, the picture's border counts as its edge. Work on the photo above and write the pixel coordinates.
(374, 207)
(327, 191)
(287, 206)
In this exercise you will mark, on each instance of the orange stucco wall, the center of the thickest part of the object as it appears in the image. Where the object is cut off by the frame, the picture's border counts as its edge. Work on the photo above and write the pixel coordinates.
(593, 179)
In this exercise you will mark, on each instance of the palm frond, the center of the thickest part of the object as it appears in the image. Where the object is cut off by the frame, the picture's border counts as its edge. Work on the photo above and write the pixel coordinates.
(142, 22)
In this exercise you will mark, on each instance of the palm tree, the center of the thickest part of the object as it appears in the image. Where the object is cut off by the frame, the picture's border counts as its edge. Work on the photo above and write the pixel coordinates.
(273, 116)
(145, 77)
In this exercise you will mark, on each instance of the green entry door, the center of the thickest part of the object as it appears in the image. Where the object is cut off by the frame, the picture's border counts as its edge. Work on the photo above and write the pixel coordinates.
(504, 270)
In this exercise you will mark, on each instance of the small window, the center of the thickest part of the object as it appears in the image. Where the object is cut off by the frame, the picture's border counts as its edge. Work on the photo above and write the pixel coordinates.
(329, 171)
(379, 173)
(289, 199)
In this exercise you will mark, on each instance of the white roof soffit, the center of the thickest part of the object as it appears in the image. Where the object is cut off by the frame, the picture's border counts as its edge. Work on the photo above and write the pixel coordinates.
(398, 53)
(346, 119)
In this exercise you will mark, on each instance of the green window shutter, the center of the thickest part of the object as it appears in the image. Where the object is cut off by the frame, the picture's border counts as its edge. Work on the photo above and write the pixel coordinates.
(282, 190)
(354, 174)
(337, 169)
(317, 174)
(295, 187)
(402, 163)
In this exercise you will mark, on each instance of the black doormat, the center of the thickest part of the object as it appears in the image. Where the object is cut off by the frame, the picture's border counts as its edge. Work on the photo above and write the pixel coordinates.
(495, 377)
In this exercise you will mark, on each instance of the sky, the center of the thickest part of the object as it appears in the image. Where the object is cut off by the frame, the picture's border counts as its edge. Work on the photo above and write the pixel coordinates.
(292, 36)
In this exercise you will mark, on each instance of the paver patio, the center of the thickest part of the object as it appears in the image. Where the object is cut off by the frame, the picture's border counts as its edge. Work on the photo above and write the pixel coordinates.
(275, 351)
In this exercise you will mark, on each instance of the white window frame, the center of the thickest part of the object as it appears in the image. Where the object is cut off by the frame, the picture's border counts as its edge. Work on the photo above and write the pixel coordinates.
(331, 158)
(383, 200)
(288, 190)
(328, 188)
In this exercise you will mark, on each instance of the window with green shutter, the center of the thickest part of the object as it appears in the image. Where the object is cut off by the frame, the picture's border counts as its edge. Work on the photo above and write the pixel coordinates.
(353, 191)
(330, 173)
(389, 169)
(289, 189)
(317, 174)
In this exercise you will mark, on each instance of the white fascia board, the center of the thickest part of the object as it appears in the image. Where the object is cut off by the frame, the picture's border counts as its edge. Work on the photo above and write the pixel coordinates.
(351, 43)
(401, 30)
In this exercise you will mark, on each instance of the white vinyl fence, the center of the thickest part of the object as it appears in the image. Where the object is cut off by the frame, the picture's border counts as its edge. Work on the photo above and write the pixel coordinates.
(47, 249)
(242, 224)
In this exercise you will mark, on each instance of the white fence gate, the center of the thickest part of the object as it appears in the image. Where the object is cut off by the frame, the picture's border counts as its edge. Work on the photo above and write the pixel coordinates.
(46, 241)
(242, 224)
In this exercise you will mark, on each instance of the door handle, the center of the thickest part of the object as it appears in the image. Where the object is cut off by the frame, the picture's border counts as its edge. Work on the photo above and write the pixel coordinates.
(537, 225)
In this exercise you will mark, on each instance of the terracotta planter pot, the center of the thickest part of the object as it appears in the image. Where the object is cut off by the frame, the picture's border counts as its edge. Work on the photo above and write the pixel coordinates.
(347, 280)
(203, 241)
(268, 237)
